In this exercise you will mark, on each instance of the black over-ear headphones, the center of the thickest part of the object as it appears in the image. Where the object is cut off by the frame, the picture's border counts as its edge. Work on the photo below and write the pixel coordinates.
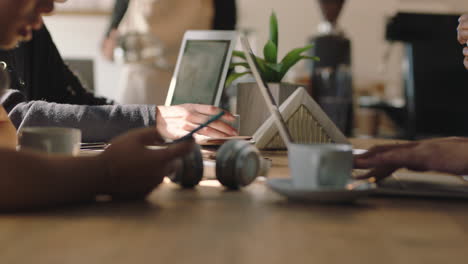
(238, 163)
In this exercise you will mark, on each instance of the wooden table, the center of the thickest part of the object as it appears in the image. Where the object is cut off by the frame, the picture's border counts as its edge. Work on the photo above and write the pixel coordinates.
(255, 225)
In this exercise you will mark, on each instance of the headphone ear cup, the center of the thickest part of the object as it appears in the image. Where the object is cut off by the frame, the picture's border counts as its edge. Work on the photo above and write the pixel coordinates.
(248, 166)
(237, 164)
(189, 170)
(225, 158)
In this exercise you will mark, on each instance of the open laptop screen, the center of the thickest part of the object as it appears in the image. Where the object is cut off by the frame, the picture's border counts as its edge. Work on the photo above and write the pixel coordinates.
(200, 71)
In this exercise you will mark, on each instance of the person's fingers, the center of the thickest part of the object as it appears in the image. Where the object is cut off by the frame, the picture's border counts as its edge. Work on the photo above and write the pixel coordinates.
(377, 149)
(198, 118)
(462, 35)
(462, 18)
(463, 24)
(187, 127)
(382, 148)
(222, 127)
(378, 173)
(465, 51)
(228, 117)
(213, 133)
(409, 157)
(200, 138)
(212, 110)
(175, 150)
(205, 109)
(204, 133)
(465, 63)
(363, 163)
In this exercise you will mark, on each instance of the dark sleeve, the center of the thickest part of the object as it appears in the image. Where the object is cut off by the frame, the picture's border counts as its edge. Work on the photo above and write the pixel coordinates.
(52, 80)
(225, 15)
(120, 7)
(97, 123)
(10, 98)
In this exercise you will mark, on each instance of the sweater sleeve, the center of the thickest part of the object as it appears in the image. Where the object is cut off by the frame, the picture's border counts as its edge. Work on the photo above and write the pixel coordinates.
(97, 123)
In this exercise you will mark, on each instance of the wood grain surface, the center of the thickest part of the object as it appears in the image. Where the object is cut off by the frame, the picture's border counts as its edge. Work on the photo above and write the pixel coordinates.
(254, 225)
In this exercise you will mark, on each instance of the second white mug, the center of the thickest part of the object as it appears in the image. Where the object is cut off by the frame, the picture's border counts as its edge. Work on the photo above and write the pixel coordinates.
(57, 140)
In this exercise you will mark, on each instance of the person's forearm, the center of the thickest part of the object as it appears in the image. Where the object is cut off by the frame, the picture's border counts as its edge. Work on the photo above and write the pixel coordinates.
(30, 180)
(97, 123)
(8, 138)
(120, 8)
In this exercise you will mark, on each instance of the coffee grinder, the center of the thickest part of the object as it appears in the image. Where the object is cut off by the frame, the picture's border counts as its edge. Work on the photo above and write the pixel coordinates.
(331, 82)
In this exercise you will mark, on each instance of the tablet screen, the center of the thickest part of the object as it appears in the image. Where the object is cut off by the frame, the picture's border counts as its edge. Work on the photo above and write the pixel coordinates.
(200, 71)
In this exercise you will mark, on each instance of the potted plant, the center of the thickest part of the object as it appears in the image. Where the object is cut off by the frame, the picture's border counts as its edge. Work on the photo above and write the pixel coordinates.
(250, 105)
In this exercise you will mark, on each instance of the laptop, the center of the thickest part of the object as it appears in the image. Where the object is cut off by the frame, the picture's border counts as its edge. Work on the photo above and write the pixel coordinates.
(401, 183)
(202, 67)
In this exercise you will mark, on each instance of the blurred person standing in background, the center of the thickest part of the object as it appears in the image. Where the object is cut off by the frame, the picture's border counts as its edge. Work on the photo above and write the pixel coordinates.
(165, 21)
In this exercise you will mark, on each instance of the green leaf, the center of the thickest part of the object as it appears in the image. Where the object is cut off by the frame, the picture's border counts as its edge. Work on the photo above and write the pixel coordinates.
(274, 28)
(238, 54)
(275, 70)
(274, 67)
(270, 52)
(266, 72)
(261, 64)
(234, 76)
(285, 69)
(292, 58)
(239, 64)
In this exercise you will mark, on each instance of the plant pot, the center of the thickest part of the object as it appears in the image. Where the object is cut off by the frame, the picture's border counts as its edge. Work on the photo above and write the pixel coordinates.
(251, 106)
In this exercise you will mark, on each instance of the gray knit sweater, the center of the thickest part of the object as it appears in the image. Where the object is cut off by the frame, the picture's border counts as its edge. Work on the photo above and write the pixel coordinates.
(97, 123)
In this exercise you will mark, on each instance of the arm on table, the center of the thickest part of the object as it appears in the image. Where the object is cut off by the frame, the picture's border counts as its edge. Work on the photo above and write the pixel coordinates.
(97, 123)
(448, 155)
(126, 170)
(102, 123)
(8, 138)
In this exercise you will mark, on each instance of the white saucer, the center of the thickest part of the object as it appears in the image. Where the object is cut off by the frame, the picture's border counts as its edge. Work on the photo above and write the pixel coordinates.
(285, 187)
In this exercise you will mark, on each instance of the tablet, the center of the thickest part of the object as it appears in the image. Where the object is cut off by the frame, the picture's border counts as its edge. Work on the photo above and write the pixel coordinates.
(201, 68)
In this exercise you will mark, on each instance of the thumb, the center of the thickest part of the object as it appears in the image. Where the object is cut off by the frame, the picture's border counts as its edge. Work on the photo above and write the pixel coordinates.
(179, 149)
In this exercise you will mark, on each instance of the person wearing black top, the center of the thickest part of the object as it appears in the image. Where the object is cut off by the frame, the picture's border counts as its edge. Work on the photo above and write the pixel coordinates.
(45, 92)
(38, 71)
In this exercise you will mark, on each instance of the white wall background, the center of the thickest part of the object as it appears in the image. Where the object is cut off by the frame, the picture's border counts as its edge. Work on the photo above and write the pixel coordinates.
(362, 20)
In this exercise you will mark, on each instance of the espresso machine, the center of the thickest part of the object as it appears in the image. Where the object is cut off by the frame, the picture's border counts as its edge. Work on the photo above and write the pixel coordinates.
(331, 80)
(434, 79)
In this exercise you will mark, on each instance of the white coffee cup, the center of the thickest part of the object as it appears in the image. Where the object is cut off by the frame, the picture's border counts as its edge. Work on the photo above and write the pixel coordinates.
(56, 140)
(320, 166)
